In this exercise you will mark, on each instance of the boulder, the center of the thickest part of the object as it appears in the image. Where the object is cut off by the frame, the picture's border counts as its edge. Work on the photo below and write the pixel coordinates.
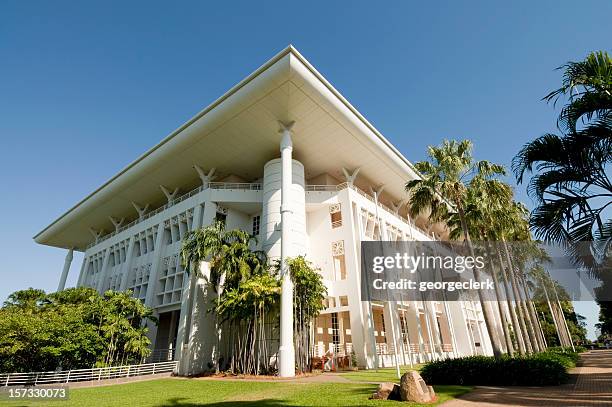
(386, 391)
(413, 388)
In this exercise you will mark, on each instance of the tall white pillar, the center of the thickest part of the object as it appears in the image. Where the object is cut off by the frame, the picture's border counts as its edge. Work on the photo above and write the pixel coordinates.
(67, 262)
(156, 265)
(83, 271)
(182, 337)
(286, 350)
(103, 273)
(127, 266)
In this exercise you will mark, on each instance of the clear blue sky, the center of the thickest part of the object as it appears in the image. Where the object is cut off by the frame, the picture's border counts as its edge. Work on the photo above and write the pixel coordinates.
(87, 87)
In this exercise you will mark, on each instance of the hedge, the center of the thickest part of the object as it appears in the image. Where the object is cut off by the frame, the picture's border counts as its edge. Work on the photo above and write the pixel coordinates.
(543, 369)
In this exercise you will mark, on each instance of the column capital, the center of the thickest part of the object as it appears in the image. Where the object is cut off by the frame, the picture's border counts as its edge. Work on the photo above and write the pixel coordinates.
(396, 206)
(285, 126)
(285, 130)
(97, 234)
(377, 190)
(142, 210)
(116, 222)
(204, 176)
(169, 195)
(350, 176)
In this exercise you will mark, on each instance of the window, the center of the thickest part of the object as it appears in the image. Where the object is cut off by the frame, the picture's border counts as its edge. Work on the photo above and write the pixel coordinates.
(335, 216)
(339, 261)
(343, 301)
(256, 222)
(335, 328)
(330, 302)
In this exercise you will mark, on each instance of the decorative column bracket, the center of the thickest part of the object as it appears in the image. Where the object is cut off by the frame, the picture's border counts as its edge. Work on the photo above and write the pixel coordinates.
(350, 177)
(169, 195)
(205, 177)
(142, 210)
(377, 191)
(396, 206)
(97, 234)
(116, 222)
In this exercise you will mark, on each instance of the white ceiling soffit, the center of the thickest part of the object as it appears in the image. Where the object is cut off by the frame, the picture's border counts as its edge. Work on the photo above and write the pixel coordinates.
(237, 134)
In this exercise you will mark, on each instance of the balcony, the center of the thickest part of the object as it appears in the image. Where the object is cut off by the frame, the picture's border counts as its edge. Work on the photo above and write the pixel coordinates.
(227, 186)
(391, 212)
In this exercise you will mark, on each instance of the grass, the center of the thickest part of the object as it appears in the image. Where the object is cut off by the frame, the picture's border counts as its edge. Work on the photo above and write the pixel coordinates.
(385, 374)
(193, 392)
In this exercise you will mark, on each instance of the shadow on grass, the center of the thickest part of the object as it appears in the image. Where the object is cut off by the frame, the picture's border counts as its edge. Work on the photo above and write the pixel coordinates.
(182, 402)
(356, 396)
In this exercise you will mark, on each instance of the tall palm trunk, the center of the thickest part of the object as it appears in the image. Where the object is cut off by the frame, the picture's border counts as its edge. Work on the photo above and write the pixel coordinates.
(552, 314)
(509, 296)
(502, 314)
(540, 330)
(531, 316)
(569, 335)
(528, 321)
(486, 308)
(517, 298)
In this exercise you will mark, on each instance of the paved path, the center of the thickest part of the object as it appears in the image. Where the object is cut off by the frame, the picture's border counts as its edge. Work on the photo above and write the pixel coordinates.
(591, 385)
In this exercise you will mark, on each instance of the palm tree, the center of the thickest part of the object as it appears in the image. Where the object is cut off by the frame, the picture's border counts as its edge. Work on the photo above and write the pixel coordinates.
(571, 182)
(517, 230)
(485, 202)
(443, 189)
(230, 260)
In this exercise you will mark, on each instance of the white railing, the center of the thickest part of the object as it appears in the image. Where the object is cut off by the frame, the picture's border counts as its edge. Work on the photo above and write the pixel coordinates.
(80, 375)
(212, 185)
(344, 185)
(235, 185)
(326, 188)
(252, 187)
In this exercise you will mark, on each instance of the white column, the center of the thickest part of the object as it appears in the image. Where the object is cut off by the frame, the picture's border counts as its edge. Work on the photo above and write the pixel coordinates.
(67, 262)
(286, 350)
(369, 313)
(103, 274)
(156, 266)
(127, 267)
(83, 270)
(182, 336)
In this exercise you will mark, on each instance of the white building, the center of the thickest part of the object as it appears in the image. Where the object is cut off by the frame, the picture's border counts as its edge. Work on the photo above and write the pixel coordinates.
(347, 186)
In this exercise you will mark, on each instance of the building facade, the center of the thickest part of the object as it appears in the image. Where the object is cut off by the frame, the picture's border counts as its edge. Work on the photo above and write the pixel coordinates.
(346, 185)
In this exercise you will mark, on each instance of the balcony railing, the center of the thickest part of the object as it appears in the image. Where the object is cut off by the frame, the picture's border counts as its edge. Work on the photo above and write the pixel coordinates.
(235, 185)
(246, 186)
(344, 185)
(212, 185)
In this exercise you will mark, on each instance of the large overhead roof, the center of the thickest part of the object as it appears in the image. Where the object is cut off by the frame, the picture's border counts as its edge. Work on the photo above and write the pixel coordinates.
(238, 134)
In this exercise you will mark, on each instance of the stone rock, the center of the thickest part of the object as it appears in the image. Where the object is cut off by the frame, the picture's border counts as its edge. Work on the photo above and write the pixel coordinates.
(413, 388)
(386, 391)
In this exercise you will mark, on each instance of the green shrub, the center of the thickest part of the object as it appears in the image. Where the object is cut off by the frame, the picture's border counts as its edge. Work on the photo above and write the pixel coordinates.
(568, 360)
(544, 369)
(564, 353)
(578, 349)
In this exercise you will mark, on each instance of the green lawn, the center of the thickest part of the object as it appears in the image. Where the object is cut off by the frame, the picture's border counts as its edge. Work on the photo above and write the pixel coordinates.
(385, 374)
(193, 392)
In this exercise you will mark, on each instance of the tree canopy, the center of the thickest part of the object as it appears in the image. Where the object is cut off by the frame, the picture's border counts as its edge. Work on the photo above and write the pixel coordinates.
(71, 329)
